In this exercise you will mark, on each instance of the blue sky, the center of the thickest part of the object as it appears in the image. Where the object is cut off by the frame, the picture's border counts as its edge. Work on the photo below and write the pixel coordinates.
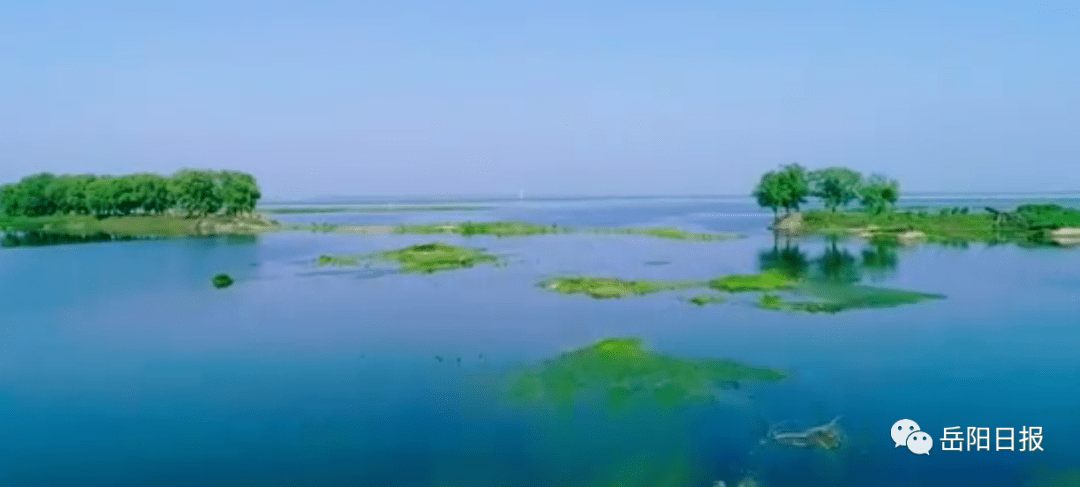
(556, 97)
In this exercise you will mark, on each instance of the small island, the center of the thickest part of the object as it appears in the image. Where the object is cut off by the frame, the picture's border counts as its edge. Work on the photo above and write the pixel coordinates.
(188, 203)
(790, 187)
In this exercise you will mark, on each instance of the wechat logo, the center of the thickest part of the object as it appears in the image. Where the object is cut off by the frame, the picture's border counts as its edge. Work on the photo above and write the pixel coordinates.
(907, 433)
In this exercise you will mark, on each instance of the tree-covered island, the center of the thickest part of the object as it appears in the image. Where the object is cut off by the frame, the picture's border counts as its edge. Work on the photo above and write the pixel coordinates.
(189, 202)
(876, 216)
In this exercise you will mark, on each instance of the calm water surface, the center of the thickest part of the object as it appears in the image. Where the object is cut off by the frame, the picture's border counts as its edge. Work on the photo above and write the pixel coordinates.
(121, 366)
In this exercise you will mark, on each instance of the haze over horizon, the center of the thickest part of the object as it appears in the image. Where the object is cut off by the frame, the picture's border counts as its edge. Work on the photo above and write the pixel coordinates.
(557, 98)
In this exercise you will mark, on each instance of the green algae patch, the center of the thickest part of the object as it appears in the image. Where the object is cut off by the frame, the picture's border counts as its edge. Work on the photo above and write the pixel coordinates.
(830, 298)
(610, 287)
(338, 260)
(706, 299)
(771, 301)
(437, 256)
(222, 281)
(619, 371)
(766, 281)
(496, 229)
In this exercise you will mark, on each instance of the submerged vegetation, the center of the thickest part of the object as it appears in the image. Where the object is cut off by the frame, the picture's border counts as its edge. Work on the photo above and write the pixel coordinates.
(789, 281)
(704, 299)
(835, 299)
(609, 287)
(621, 370)
(222, 281)
(338, 260)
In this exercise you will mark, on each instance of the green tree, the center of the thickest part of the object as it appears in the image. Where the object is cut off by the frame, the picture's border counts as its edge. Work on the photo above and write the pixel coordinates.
(99, 197)
(34, 195)
(195, 192)
(124, 196)
(786, 188)
(11, 199)
(769, 192)
(152, 193)
(239, 192)
(76, 198)
(836, 186)
(879, 194)
(795, 186)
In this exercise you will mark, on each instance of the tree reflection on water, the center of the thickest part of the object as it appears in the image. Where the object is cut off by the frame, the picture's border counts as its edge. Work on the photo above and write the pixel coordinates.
(835, 264)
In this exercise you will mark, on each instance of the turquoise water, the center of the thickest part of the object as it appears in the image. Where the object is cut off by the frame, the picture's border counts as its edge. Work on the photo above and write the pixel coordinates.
(121, 366)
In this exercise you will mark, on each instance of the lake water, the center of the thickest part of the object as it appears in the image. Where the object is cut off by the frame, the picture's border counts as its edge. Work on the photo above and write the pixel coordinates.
(121, 366)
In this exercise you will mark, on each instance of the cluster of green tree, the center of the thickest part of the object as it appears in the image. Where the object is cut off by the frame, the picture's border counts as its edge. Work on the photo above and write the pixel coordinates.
(790, 186)
(188, 192)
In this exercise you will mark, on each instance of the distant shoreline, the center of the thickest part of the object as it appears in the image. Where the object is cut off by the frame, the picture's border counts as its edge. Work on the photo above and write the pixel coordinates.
(480, 200)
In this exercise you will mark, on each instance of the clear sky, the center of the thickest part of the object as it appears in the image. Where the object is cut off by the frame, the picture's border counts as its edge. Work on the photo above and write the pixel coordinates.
(559, 97)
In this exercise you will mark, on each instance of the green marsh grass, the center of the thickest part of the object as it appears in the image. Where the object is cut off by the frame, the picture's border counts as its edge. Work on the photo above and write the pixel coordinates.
(766, 281)
(610, 287)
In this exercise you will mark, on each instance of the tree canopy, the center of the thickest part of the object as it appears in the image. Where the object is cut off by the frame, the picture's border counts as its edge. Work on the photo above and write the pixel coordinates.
(836, 187)
(785, 188)
(188, 192)
(879, 193)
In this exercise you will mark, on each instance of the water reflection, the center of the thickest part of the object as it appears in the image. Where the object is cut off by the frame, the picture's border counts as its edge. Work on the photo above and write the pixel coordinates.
(36, 239)
(835, 264)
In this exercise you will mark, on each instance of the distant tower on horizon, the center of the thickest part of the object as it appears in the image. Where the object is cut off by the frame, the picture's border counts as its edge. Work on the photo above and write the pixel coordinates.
(521, 194)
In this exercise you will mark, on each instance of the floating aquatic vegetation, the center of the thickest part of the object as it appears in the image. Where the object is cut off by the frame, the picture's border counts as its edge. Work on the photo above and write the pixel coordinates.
(835, 298)
(222, 281)
(704, 299)
(428, 258)
(437, 256)
(621, 370)
(338, 260)
(766, 281)
(610, 287)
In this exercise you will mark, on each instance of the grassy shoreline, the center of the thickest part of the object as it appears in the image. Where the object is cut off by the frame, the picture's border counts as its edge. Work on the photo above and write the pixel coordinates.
(1030, 224)
(139, 226)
